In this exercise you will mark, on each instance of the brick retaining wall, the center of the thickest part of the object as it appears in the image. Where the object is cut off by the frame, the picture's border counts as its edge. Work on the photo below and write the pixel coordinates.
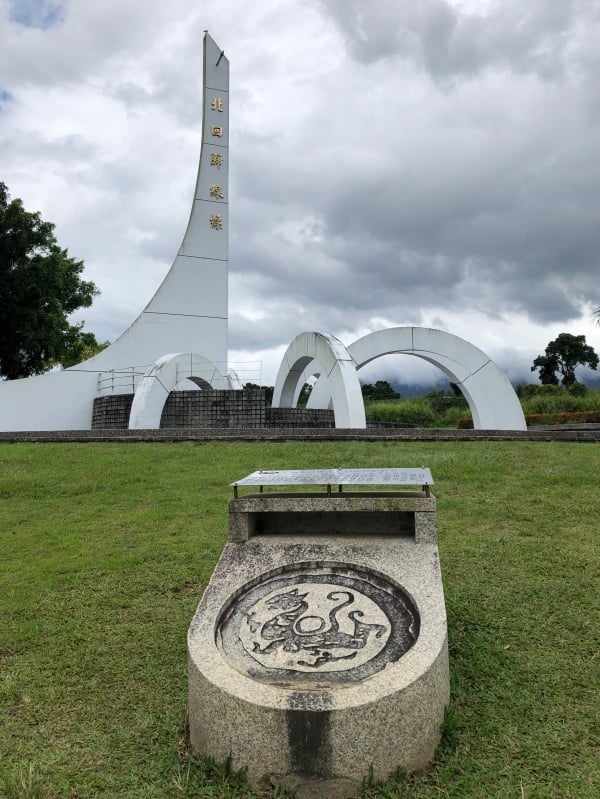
(299, 417)
(111, 412)
(208, 409)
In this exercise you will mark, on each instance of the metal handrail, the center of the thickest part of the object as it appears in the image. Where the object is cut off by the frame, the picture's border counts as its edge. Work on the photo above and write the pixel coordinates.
(125, 380)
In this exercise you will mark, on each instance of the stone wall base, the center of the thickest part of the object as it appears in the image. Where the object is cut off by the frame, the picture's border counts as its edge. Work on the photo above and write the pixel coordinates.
(211, 409)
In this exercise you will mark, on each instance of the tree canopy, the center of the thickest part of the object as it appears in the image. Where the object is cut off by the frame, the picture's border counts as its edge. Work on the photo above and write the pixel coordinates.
(302, 397)
(562, 356)
(267, 389)
(40, 286)
(382, 390)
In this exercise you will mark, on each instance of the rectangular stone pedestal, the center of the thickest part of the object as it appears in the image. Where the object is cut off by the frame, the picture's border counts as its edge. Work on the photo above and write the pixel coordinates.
(319, 649)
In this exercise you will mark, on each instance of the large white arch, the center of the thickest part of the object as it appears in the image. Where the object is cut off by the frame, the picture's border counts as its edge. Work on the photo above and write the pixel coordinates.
(331, 359)
(162, 377)
(491, 398)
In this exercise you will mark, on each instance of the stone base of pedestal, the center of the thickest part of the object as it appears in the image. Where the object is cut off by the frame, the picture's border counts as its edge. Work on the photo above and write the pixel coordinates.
(312, 660)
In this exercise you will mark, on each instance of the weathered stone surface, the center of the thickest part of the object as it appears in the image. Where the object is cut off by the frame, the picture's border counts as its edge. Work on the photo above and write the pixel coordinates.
(316, 788)
(313, 658)
(582, 434)
(408, 513)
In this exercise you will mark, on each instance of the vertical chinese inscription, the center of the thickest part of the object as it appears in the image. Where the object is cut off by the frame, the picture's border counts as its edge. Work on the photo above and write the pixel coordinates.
(217, 160)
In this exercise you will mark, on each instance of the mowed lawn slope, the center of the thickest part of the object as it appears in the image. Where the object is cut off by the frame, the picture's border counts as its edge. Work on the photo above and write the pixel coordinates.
(105, 550)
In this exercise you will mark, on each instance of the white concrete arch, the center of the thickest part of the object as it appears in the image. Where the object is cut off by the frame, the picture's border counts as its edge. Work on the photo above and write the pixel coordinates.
(491, 398)
(332, 360)
(162, 377)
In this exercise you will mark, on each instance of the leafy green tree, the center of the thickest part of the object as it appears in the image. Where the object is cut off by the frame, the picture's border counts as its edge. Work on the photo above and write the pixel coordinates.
(40, 286)
(304, 395)
(562, 356)
(268, 391)
(529, 390)
(442, 399)
(81, 347)
(578, 389)
(382, 390)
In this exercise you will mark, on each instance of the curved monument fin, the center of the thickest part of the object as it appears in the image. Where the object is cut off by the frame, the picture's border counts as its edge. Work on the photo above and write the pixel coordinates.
(189, 306)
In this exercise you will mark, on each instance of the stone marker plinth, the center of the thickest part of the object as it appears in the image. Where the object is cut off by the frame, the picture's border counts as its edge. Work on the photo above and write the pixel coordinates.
(319, 649)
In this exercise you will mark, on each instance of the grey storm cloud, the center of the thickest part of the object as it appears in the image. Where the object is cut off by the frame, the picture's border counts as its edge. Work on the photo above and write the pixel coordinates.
(489, 200)
(436, 35)
(392, 161)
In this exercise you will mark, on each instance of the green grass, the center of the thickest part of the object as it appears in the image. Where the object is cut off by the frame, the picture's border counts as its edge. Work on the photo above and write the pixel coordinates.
(105, 550)
(435, 411)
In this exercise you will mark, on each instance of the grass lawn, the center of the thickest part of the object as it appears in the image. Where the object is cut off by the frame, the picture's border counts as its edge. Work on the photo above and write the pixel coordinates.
(105, 550)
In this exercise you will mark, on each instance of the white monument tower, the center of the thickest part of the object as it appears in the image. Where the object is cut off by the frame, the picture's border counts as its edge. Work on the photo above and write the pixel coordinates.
(182, 332)
(187, 314)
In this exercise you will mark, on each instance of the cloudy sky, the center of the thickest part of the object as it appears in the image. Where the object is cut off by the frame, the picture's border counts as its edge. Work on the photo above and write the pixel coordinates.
(393, 162)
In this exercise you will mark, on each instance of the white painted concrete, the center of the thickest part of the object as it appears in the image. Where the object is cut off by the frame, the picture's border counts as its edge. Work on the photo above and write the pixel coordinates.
(189, 310)
(335, 363)
(490, 396)
(162, 377)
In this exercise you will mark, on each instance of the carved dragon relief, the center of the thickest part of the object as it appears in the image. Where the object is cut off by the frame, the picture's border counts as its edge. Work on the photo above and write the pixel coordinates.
(315, 636)
(329, 624)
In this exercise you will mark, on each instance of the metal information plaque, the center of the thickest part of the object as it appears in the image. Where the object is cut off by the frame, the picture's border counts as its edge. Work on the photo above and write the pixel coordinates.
(323, 477)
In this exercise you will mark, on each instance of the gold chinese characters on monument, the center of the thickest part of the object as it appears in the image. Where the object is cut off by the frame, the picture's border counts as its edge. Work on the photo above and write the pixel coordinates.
(216, 159)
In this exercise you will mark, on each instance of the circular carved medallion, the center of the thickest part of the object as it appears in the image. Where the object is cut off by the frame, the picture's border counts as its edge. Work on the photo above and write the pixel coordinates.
(326, 624)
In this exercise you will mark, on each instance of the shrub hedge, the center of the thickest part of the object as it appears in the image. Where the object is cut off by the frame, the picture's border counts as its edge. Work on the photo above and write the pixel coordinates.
(533, 419)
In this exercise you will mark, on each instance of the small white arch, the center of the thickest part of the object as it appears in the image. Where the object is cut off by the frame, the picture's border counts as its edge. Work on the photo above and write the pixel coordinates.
(332, 360)
(490, 396)
(162, 377)
(235, 381)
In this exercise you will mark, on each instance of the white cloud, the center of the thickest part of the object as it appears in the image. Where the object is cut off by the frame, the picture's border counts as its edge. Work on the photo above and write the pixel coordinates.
(392, 162)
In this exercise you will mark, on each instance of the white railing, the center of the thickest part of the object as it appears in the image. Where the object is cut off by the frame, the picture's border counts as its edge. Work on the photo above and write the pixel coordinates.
(120, 381)
(246, 372)
(126, 379)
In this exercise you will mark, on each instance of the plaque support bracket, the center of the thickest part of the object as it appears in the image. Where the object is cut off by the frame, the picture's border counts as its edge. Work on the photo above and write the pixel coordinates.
(390, 505)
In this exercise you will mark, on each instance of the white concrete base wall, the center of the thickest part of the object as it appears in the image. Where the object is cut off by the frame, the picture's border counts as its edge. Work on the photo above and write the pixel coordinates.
(63, 400)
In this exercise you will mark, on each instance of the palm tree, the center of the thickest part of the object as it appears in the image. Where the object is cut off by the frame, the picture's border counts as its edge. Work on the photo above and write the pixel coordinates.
(596, 313)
